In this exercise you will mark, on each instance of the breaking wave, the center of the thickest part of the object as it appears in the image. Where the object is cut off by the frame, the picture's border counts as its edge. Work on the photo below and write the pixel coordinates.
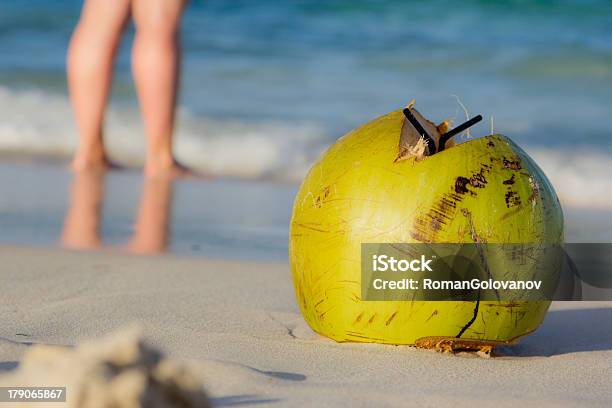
(38, 123)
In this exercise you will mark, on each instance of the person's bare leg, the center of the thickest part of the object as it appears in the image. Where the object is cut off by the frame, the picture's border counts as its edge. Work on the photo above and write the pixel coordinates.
(82, 223)
(90, 64)
(156, 69)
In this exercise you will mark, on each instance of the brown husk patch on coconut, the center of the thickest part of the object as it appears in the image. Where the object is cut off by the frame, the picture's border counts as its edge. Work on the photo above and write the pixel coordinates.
(483, 348)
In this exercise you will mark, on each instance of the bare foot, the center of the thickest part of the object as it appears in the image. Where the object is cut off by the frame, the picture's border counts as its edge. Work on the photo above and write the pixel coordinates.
(92, 161)
(167, 169)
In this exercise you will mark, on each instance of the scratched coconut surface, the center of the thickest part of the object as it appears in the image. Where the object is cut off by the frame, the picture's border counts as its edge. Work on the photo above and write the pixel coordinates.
(483, 191)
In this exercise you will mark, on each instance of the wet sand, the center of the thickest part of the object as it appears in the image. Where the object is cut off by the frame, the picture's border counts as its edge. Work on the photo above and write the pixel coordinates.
(218, 218)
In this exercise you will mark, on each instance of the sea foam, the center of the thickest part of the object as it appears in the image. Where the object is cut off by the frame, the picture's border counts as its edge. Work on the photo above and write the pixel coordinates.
(34, 122)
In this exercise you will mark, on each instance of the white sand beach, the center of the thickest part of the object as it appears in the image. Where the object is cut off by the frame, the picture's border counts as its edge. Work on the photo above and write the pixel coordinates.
(238, 324)
(247, 95)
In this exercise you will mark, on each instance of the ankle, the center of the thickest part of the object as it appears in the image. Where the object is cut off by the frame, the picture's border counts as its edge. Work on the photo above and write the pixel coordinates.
(165, 166)
(89, 156)
(160, 159)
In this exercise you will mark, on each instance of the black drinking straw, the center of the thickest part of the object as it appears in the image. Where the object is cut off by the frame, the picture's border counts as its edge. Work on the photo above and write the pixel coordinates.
(428, 139)
(445, 137)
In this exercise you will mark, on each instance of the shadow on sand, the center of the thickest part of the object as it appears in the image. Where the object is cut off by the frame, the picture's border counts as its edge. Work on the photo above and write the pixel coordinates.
(6, 366)
(567, 331)
(237, 400)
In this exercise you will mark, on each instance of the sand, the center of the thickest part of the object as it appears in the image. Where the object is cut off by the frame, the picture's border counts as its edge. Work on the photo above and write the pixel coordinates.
(237, 325)
(119, 370)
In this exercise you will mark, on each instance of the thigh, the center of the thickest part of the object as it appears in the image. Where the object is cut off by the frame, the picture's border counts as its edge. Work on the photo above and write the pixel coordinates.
(163, 15)
(105, 15)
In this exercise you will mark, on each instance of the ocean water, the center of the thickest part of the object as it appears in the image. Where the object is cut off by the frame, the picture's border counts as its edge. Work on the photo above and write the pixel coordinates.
(268, 85)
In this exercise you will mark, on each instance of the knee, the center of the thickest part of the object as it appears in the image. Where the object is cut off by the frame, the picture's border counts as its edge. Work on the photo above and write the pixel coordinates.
(161, 23)
(157, 33)
(157, 37)
(91, 44)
